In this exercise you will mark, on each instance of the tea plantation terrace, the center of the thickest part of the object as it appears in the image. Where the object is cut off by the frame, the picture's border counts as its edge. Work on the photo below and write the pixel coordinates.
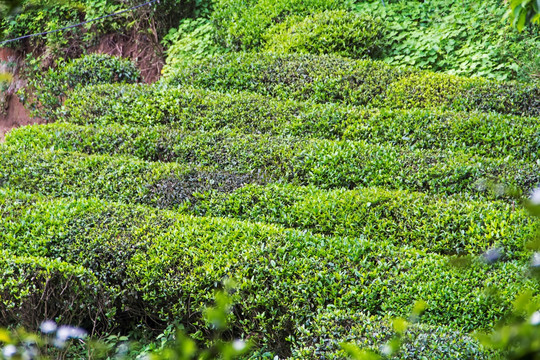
(336, 193)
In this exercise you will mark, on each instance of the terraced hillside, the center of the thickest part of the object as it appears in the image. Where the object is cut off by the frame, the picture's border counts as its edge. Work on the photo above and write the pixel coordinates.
(336, 193)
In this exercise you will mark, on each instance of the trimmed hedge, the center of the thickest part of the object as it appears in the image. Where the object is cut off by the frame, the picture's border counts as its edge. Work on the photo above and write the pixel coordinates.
(34, 289)
(321, 338)
(336, 32)
(165, 266)
(241, 24)
(191, 109)
(49, 88)
(413, 220)
(125, 179)
(324, 163)
(445, 226)
(333, 79)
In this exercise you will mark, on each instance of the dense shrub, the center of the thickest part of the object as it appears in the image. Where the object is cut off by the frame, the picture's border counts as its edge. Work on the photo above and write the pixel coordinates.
(49, 89)
(241, 24)
(324, 163)
(445, 226)
(125, 179)
(321, 338)
(193, 39)
(168, 266)
(34, 289)
(464, 37)
(187, 109)
(333, 79)
(335, 32)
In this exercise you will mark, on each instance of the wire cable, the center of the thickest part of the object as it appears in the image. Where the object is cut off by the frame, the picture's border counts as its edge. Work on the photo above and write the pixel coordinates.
(79, 24)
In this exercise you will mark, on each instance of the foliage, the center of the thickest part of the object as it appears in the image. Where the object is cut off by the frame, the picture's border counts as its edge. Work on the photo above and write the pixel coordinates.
(336, 331)
(241, 24)
(189, 110)
(335, 32)
(56, 341)
(48, 89)
(227, 160)
(194, 39)
(523, 12)
(356, 82)
(455, 37)
(171, 264)
(36, 16)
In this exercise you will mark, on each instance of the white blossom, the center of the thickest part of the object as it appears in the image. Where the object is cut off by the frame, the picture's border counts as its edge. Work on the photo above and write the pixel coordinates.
(9, 350)
(535, 318)
(48, 326)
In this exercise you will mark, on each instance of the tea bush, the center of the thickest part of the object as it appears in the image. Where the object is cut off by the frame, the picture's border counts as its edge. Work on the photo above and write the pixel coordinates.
(324, 163)
(165, 267)
(241, 24)
(434, 224)
(188, 109)
(356, 82)
(48, 89)
(35, 288)
(336, 32)
(322, 338)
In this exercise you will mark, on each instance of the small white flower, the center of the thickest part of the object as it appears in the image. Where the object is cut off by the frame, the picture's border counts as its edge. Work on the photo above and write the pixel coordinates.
(9, 350)
(492, 255)
(535, 318)
(239, 345)
(535, 196)
(535, 261)
(69, 332)
(48, 326)
(276, 357)
(386, 350)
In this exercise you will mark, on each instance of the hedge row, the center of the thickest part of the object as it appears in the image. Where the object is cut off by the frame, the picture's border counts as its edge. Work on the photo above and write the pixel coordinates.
(321, 338)
(410, 220)
(241, 24)
(337, 32)
(124, 179)
(164, 267)
(445, 226)
(191, 109)
(34, 289)
(334, 79)
(324, 163)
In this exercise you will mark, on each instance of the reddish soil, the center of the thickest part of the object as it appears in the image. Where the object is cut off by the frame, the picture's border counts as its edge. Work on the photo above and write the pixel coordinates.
(12, 112)
(15, 115)
(143, 49)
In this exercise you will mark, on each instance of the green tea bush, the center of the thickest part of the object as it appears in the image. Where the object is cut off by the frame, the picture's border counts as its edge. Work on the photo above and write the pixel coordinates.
(333, 79)
(125, 179)
(168, 265)
(414, 220)
(241, 24)
(188, 109)
(324, 163)
(34, 289)
(444, 226)
(322, 338)
(49, 89)
(336, 32)
(193, 39)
